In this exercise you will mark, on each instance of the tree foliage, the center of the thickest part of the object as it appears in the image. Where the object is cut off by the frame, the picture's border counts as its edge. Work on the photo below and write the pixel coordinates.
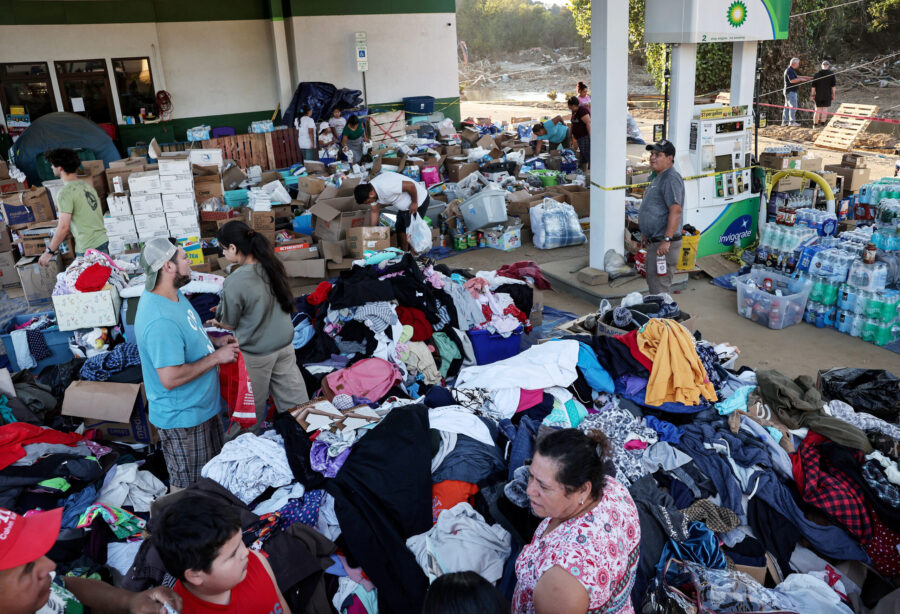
(490, 26)
(820, 34)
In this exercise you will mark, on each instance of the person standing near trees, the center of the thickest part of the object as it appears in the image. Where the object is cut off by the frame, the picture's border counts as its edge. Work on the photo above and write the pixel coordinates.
(792, 83)
(824, 86)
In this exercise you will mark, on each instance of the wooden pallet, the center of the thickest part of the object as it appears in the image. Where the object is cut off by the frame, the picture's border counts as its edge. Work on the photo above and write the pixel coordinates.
(841, 132)
(245, 149)
(283, 149)
(389, 126)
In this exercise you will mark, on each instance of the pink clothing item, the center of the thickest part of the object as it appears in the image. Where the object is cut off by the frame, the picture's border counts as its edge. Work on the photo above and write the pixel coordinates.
(356, 574)
(370, 378)
(635, 444)
(600, 549)
(477, 286)
(529, 398)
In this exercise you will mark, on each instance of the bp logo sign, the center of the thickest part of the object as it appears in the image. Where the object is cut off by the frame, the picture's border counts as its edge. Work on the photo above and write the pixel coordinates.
(737, 14)
(741, 228)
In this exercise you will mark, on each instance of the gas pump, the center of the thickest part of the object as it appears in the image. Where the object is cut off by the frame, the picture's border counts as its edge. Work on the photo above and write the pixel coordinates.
(714, 141)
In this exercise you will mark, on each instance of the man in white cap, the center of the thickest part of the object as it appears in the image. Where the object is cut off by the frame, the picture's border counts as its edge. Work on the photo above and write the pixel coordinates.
(179, 362)
(28, 584)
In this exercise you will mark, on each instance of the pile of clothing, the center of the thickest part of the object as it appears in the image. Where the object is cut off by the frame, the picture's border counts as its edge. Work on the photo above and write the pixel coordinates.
(753, 490)
(28, 341)
(92, 272)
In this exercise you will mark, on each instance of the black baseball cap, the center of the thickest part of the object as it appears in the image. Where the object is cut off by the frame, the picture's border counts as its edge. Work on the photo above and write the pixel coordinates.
(662, 145)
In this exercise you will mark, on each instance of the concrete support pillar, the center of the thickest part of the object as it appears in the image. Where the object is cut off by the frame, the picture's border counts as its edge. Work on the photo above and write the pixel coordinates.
(282, 60)
(681, 109)
(609, 75)
(743, 72)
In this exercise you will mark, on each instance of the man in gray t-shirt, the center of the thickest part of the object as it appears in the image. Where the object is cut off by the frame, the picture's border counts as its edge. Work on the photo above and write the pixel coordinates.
(660, 216)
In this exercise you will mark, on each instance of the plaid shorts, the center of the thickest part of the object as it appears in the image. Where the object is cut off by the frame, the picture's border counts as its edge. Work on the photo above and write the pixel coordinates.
(187, 450)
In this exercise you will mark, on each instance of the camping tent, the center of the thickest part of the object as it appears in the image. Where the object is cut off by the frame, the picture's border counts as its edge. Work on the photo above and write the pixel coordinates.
(60, 130)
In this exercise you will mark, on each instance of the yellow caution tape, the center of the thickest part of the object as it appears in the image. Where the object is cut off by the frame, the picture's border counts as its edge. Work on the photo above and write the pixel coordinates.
(689, 178)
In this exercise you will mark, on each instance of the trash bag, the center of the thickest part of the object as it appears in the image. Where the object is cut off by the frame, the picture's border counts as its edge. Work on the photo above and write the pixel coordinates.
(873, 391)
(615, 266)
(419, 235)
(555, 224)
(323, 98)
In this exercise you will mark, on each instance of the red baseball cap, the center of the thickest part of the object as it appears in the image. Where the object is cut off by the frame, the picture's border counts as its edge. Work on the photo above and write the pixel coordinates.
(26, 539)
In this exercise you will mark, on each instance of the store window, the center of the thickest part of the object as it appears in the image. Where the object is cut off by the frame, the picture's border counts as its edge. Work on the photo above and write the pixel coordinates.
(28, 85)
(84, 87)
(134, 81)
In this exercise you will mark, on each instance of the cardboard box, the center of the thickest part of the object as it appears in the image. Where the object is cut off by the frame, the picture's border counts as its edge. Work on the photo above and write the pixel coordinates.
(336, 211)
(27, 208)
(208, 186)
(360, 239)
(87, 309)
(577, 196)
(300, 251)
(4, 170)
(789, 184)
(334, 251)
(5, 237)
(812, 164)
(176, 184)
(854, 178)
(470, 134)
(118, 204)
(263, 221)
(179, 219)
(308, 268)
(851, 160)
(38, 281)
(459, 171)
(232, 175)
(297, 241)
(122, 173)
(144, 182)
(144, 204)
(174, 163)
(487, 142)
(179, 203)
(8, 275)
(779, 161)
(11, 186)
(505, 238)
(35, 238)
(149, 226)
(136, 163)
(118, 411)
(207, 157)
(120, 226)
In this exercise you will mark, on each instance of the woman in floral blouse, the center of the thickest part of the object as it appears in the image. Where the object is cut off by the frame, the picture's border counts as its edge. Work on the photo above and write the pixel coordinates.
(583, 556)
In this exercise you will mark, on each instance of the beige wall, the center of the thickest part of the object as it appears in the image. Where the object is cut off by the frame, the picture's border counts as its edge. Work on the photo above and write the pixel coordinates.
(409, 54)
(219, 67)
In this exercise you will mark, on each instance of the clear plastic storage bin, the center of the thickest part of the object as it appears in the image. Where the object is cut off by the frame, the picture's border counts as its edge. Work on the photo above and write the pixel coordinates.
(766, 308)
(487, 208)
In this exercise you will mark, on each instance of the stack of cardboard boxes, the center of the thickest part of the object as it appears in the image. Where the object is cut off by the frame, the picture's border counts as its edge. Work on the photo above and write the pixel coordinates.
(853, 171)
(159, 202)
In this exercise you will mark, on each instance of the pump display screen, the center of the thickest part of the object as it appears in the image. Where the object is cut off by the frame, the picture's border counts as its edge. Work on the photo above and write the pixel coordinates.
(729, 127)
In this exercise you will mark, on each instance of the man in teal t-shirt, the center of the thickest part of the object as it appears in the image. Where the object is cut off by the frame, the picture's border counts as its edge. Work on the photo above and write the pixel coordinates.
(553, 130)
(179, 362)
(78, 206)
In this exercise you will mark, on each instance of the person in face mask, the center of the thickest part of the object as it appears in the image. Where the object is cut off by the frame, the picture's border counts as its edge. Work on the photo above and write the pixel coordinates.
(180, 364)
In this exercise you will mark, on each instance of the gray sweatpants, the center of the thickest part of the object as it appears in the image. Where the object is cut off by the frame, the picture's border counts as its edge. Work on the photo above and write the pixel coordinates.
(276, 374)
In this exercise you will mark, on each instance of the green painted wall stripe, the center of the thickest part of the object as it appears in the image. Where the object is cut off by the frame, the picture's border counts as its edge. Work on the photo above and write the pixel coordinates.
(308, 8)
(46, 12)
(176, 129)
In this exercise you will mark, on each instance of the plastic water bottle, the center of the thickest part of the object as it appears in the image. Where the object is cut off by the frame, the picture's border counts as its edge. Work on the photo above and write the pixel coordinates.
(879, 276)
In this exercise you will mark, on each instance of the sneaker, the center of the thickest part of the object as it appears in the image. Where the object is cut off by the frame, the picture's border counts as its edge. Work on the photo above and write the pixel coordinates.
(794, 125)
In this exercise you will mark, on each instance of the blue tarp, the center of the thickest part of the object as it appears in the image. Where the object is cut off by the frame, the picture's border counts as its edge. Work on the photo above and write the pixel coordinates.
(60, 130)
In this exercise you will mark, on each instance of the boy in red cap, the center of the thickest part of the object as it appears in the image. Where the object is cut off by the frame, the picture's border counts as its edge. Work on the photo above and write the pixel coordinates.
(28, 584)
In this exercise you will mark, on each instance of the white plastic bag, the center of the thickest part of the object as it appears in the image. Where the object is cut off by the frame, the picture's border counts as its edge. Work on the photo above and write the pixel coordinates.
(419, 235)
